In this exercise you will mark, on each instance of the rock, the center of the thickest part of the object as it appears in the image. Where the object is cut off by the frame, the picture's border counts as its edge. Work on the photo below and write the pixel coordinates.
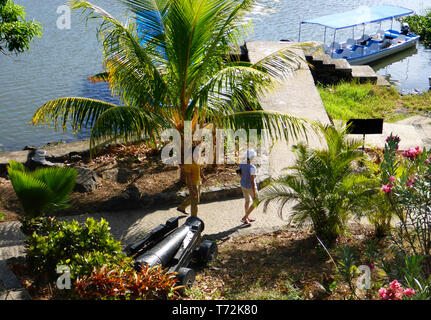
(132, 192)
(124, 175)
(75, 157)
(86, 180)
(110, 174)
(126, 200)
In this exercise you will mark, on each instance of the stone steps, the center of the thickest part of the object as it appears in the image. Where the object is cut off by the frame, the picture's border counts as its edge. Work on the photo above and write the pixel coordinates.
(322, 62)
(364, 74)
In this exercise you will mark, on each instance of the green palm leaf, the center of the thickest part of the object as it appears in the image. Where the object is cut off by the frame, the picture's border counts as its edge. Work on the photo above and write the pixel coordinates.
(80, 112)
(323, 185)
(43, 190)
(279, 125)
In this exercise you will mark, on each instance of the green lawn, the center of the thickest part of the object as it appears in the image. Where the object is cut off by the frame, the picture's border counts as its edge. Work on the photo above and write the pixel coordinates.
(367, 101)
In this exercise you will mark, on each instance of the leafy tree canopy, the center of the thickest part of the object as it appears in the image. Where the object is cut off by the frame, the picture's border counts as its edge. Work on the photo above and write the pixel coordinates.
(15, 31)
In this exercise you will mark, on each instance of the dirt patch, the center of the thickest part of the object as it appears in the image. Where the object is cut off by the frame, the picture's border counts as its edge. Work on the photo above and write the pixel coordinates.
(117, 169)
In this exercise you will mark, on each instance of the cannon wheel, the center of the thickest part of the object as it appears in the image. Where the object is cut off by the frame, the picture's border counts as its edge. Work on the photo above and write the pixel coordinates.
(186, 277)
(207, 252)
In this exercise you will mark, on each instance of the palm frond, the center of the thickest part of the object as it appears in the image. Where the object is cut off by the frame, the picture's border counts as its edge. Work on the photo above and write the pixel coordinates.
(79, 112)
(127, 124)
(122, 43)
(278, 125)
(281, 63)
(42, 190)
(100, 77)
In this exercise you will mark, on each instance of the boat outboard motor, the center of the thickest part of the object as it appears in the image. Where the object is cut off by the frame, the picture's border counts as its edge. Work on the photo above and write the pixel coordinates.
(405, 28)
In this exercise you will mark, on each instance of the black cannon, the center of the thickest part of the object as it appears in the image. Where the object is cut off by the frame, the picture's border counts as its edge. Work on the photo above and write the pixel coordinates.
(176, 248)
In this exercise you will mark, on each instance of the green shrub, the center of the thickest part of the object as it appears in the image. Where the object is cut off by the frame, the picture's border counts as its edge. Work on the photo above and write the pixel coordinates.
(421, 25)
(52, 242)
(43, 190)
(84, 264)
(42, 226)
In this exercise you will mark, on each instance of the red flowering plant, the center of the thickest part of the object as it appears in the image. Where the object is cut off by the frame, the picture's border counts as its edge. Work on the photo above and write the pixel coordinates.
(150, 283)
(406, 182)
(395, 291)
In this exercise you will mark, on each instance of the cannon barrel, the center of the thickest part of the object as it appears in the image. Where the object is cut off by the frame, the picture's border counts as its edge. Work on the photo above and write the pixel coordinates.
(164, 251)
(153, 237)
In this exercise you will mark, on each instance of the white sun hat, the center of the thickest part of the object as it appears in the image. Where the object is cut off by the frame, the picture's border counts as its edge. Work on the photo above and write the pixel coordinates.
(250, 154)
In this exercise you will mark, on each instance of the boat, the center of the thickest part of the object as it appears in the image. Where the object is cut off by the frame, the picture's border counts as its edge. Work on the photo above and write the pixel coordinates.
(366, 48)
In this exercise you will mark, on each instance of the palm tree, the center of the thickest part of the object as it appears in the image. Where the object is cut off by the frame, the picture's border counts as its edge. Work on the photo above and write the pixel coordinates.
(323, 184)
(43, 190)
(175, 68)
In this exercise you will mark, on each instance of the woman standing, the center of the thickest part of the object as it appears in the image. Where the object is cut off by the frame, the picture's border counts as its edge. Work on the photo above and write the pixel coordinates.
(248, 185)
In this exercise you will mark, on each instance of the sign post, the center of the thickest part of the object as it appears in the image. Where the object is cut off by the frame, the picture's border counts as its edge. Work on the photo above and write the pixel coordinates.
(365, 126)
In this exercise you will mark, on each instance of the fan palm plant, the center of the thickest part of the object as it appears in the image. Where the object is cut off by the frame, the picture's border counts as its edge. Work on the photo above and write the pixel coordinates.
(323, 184)
(170, 64)
(43, 190)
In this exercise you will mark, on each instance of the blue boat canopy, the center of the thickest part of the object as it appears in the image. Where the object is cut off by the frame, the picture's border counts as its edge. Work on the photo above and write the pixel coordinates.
(360, 16)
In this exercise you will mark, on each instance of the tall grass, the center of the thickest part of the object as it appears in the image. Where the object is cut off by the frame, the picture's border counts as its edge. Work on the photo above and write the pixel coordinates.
(347, 100)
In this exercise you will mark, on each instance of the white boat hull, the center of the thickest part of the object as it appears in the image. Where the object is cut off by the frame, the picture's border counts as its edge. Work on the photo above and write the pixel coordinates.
(360, 60)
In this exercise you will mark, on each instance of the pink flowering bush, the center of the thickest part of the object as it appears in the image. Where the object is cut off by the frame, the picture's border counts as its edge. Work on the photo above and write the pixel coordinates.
(387, 188)
(406, 184)
(411, 153)
(395, 291)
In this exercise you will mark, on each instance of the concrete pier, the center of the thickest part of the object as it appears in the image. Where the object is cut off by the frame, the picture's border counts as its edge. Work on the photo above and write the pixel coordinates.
(296, 95)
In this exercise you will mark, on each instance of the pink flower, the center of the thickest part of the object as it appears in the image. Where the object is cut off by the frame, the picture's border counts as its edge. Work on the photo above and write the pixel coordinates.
(392, 179)
(427, 161)
(391, 137)
(387, 188)
(395, 286)
(383, 293)
(409, 292)
(395, 291)
(411, 153)
(398, 296)
(410, 182)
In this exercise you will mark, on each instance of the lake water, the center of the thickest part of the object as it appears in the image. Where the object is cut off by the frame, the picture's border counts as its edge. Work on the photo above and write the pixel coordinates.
(59, 63)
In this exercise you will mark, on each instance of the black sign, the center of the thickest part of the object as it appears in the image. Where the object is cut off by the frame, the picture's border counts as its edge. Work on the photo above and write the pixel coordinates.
(365, 126)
